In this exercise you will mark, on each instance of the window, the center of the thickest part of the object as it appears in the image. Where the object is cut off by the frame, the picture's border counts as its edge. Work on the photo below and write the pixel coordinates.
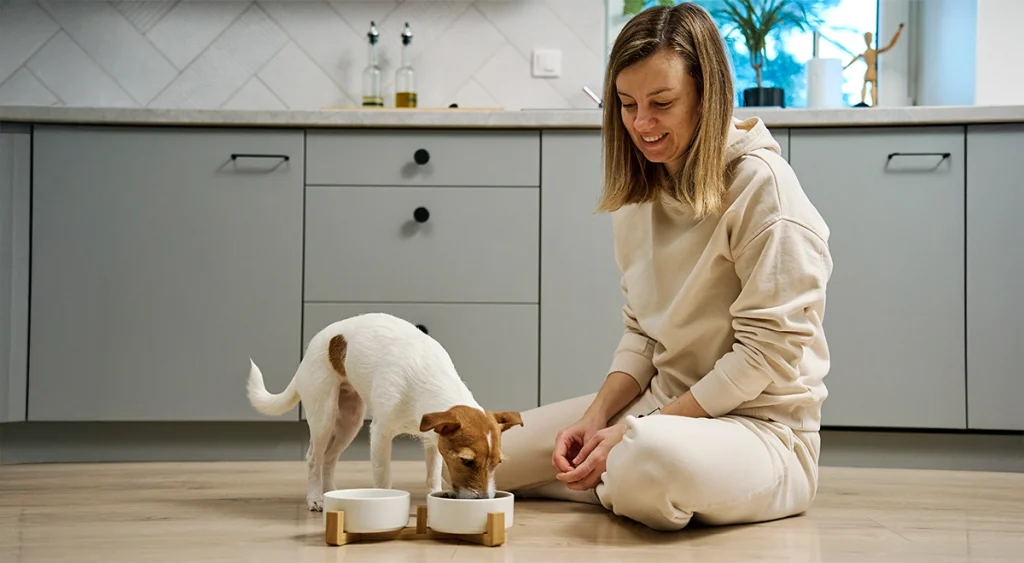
(843, 24)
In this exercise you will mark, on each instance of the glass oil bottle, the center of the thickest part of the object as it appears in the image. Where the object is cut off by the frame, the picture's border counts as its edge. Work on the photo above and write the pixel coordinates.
(405, 78)
(372, 95)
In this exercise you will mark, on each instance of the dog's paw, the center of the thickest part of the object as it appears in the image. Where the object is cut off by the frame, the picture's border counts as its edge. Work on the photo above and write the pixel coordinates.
(315, 505)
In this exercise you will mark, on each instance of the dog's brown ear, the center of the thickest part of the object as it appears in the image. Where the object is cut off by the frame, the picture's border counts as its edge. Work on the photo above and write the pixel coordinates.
(507, 419)
(444, 423)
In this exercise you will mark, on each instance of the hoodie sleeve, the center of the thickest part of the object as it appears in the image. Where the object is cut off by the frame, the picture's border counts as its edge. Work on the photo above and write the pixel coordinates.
(783, 272)
(635, 353)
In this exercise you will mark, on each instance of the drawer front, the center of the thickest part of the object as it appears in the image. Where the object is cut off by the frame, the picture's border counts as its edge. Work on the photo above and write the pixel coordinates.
(493, 346)
(473, 245)
(424, 158)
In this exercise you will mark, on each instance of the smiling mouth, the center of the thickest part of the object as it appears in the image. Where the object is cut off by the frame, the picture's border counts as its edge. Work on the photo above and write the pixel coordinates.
(653, 139)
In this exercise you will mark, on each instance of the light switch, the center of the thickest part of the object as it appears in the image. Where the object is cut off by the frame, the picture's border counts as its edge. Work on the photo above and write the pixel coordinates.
(547, 63)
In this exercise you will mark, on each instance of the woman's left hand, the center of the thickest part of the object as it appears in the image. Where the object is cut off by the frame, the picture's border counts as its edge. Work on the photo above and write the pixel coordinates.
(590, 463)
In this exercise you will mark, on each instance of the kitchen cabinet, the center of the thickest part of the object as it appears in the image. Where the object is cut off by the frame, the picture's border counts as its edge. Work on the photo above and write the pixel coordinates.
(15, 202)
(162, 260)
(581, 300)
(422, 244)
(995, 268)
(893, 199)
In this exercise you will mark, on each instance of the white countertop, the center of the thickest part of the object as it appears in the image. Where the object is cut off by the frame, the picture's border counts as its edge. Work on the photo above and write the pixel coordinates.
(472, 118)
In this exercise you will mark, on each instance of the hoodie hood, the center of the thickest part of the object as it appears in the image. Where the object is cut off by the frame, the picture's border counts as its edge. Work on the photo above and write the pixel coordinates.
(744, 137)
(748, 135)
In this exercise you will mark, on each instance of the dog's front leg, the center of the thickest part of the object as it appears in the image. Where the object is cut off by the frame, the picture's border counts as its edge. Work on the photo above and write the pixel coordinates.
(380, 455)
(433, 458)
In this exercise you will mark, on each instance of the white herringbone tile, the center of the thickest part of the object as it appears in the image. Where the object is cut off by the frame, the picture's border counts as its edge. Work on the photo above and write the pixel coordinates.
(455, 57)
(472, 95)
(225, 67)
(74, 77)
(506, 77)
(25, 89)
(293, 53)
(530, 24)
(586, 19)
(24, 28)
(322, 34)
(190, 27)
(143, 14)
(116, 46)
(254, 95)
(300, 83)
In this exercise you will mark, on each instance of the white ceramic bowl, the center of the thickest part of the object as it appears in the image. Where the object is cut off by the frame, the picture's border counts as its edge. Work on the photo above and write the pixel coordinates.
(370, 510)
(467, 516)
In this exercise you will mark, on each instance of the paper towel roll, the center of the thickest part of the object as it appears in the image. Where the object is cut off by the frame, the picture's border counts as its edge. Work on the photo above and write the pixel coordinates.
(824, 83)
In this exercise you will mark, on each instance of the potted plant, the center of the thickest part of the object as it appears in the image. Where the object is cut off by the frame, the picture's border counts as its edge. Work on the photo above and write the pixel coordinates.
(755, 20)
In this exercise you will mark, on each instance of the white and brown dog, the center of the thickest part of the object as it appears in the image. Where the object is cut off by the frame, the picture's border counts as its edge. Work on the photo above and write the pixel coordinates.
(406, 381)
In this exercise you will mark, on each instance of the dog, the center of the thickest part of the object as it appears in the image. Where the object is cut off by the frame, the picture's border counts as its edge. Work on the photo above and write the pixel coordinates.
(380, 364)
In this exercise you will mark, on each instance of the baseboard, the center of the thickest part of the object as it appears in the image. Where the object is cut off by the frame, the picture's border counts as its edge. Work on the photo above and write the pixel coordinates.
(33, 442)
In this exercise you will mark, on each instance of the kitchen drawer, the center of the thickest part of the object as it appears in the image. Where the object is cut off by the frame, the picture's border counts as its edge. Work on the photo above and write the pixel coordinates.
(422, 158)
(474, 244)
(494, 346)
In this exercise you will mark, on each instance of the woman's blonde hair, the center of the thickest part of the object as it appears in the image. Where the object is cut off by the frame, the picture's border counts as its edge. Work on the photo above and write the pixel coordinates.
(688, 30)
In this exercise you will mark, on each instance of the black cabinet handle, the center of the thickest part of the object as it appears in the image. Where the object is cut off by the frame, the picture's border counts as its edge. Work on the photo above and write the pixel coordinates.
(421, 214)
(423, 329)
(943, 155)
(421, 156)
(237, 156)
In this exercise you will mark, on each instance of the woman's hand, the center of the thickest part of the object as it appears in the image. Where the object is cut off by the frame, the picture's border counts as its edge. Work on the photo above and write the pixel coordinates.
(570, 441)
(591, 460)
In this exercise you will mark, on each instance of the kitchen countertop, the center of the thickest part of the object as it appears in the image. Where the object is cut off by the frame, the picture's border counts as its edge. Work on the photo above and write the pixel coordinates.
(484, 118)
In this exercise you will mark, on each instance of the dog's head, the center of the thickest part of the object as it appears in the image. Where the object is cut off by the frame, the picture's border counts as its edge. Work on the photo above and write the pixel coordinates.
(470, 444)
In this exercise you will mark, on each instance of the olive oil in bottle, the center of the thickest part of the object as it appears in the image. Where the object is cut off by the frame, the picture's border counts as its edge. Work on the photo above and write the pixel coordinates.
(372, 95)
(405, 78)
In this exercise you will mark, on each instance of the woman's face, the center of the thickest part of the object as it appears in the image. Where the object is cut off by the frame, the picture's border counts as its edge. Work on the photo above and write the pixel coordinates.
(659, 107)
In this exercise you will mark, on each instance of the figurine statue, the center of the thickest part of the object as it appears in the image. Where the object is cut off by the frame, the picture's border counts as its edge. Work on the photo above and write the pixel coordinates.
(870, 56)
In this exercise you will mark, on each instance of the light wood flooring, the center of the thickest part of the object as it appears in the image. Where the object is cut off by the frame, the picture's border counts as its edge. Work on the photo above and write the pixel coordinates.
(254, 512)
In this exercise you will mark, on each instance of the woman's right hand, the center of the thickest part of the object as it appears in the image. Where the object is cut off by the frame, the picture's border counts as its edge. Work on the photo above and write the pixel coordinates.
(571, 440)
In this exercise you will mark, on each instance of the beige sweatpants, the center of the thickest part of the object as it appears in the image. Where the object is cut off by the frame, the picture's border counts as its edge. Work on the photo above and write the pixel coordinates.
(669, 469)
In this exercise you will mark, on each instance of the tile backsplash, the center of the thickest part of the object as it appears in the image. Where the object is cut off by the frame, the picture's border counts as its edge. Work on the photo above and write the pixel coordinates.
(293, 54)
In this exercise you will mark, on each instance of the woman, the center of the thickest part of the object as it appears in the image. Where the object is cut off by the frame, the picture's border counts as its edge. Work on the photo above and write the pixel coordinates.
(711, 406)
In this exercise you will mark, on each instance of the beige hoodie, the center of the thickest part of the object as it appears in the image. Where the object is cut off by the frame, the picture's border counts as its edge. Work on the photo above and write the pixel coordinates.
(730, 307)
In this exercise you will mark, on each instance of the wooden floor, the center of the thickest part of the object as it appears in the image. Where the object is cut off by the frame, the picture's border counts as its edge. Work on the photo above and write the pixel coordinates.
(253, 512)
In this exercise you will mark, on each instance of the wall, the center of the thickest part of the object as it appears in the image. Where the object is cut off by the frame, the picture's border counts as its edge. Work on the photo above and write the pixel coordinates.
(946, 52)
(998, 79)
(295, 54)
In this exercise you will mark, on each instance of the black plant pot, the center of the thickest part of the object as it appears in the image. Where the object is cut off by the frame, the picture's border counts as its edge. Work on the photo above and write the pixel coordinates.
(764, 97)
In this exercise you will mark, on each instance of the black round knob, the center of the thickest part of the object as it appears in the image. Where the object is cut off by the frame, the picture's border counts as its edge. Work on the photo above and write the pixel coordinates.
(421, 215)
(421, 156)
(423, 329)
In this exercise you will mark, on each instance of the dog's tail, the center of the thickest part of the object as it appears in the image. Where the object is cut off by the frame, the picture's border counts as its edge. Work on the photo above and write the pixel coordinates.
(265, 401)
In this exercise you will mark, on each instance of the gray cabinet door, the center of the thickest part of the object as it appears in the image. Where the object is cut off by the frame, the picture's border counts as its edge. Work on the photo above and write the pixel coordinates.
(894, 202)
(160, 265)
(581, 300)
(995, 270)
(493, 345)
(474, 244)
(15, 197)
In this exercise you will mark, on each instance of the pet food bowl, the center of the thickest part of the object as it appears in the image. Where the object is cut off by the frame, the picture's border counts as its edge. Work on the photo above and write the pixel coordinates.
(467, 516)
(369, 511)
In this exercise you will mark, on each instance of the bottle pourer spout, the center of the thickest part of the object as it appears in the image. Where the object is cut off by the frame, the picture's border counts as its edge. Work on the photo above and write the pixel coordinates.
(406, 35)
(373, 34)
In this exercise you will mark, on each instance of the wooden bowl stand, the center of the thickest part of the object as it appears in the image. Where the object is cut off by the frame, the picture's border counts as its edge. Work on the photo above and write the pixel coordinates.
(494, 533)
